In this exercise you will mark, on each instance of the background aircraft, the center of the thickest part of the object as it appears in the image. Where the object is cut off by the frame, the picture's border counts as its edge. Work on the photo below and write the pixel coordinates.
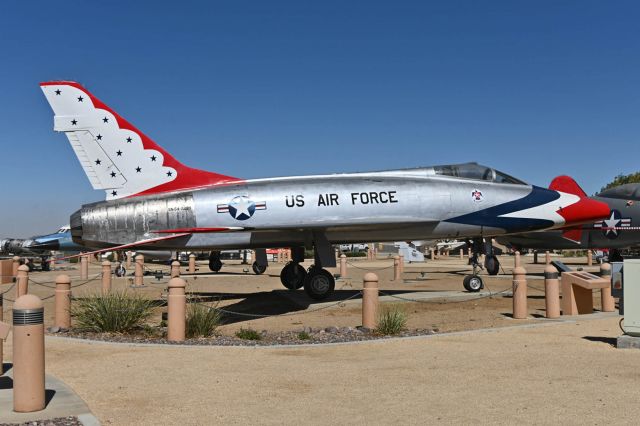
(155, 201)
(620, 229)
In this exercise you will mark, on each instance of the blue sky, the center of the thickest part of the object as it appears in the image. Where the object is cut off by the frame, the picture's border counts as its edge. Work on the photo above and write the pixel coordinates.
(258, 89)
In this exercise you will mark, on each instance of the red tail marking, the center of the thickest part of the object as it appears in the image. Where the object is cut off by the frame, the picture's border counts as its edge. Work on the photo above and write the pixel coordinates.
(574, 234)
(568, 185)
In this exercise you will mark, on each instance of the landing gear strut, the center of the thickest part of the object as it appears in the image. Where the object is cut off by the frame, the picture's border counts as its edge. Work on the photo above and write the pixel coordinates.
(473, 282)
(318, 283)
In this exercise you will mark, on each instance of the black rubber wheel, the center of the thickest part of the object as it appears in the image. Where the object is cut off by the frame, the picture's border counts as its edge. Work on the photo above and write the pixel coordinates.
(215, 264)
(120, 271)
(319, 284)
(465, 282)
(258, 269)
(292, 276)
(492, 264)
(474, 284)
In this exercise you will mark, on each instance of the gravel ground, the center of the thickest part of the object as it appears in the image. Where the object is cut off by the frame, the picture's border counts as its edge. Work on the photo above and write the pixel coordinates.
(302, 337)
(60, 421)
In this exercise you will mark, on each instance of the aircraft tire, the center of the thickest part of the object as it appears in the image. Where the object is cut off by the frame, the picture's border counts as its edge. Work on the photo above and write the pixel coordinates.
(215, 264)
(120, 271)
(473, 283)
(319, 283)
(492, 265)
(292, 276)
(258, 269)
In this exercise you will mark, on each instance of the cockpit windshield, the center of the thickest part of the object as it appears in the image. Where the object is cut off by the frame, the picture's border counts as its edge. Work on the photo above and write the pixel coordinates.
(476, 171)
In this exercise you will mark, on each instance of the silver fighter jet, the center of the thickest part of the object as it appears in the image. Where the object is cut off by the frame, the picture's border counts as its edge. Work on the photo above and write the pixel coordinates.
(154, 201)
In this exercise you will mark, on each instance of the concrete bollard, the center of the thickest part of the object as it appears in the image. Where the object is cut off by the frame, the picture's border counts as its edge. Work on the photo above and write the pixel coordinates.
(127, 256)
(177, 310)
(287, 255)
(589, 258)
(369, 300)
(608, 302)
(63, 302)
(401, 264)
(139, 272)
(469, 255)
(52, 264)
(28, 354)
(1, 339)
(461, 254)
(22, 281)
(433, 254)
(343, 266)
(396, 268)
(192, 263)
(175, 269)
(15, 265)
(551, 292)
(519, 293)
(516, 259)
(547, 258)
(84, 267)
(106, 277)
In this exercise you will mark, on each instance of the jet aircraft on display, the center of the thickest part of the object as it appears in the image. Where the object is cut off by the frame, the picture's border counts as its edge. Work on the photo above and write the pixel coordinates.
(618, 230)
(154, 201)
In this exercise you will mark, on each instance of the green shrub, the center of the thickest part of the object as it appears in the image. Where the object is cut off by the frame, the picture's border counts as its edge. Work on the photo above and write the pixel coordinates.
(248, 334)
(116, 312)
(303, 335)
(392, 320)
(202, 320)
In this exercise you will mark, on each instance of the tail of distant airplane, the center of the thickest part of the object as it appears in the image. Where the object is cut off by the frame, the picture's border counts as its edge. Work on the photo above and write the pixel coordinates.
(114, 154)
(569, 185)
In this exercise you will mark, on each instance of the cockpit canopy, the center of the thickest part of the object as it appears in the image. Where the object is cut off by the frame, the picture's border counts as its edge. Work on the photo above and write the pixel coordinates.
(628, 191)
(476, 171)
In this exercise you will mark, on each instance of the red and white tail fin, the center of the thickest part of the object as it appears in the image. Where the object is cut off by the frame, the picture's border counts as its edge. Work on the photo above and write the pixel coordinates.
(115, 155)
(568, 185)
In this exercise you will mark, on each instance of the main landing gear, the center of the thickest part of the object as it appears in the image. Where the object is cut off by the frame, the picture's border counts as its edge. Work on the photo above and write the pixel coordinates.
(259, 266)
(318, 283)
(473, 282)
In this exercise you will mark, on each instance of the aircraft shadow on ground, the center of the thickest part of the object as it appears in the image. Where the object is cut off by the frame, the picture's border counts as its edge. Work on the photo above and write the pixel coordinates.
(612, 341)
(273, 303)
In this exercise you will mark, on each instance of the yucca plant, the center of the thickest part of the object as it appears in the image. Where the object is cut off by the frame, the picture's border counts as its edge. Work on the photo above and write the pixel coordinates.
(391, 320)
(116, 312)
(202, 320)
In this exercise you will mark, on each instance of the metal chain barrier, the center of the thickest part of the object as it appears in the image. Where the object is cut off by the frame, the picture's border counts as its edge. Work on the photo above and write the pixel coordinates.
(370, 269)
(441, 301)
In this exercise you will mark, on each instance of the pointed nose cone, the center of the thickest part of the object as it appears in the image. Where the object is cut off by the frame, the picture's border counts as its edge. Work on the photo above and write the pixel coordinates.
(584, 211)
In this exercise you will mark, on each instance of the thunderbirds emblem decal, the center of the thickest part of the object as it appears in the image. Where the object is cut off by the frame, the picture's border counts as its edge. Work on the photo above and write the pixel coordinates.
(476, 195)
(241, 207)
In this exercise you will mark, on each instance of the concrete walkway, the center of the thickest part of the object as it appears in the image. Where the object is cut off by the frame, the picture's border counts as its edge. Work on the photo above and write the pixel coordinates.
(61, 402)
(565, 372)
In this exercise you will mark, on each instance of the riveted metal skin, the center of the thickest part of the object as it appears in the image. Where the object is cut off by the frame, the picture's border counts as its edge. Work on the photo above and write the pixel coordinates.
(28, 354)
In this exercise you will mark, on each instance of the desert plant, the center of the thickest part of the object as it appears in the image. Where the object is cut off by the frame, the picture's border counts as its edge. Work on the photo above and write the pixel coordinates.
(303, 335)
(392, 320)
(248, 334)
(116, 312)
(202, 320)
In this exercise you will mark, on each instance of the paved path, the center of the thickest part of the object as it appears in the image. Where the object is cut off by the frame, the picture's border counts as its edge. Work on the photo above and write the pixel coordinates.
(558, 372)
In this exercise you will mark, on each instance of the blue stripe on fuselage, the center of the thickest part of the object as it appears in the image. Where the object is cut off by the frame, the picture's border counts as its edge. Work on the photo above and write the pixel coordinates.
(491, 217)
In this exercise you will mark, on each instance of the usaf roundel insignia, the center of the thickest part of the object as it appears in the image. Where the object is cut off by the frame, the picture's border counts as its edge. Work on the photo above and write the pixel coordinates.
(476, 195)
(241, 207)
